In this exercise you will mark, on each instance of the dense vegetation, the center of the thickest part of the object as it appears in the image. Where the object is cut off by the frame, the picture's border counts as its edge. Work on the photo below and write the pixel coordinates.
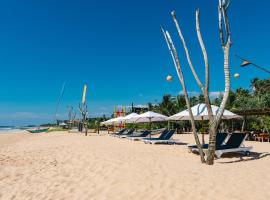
(255, 98)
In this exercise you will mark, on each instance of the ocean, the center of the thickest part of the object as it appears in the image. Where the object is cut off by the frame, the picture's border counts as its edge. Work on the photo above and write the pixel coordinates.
(12, 129)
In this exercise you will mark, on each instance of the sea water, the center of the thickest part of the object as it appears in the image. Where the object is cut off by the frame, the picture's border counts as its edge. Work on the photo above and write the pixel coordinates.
(11, 129)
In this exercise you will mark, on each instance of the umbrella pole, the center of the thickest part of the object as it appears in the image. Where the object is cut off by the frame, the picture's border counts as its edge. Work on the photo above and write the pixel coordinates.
(243, 124)
(133, 126)
(150, 127)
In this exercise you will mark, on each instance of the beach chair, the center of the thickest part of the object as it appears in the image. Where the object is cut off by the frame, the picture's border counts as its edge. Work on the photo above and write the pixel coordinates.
(143, 135)
(126, 134)
(123, 131)
(133, 134)
(163, 139)
(220, 139)
(119, 132)
(161, 136)
(234, 144)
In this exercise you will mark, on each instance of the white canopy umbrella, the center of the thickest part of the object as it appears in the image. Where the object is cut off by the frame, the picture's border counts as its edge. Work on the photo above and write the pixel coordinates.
(130, 118)
(106, 122)
(116, 120)
(63, 124)
(149, 117)
(200, 113)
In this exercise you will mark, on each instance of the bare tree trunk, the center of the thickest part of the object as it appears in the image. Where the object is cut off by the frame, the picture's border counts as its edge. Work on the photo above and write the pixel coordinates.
(84, 112)
(86, 129)
(222, 10)
(214, 125)
(174, 55)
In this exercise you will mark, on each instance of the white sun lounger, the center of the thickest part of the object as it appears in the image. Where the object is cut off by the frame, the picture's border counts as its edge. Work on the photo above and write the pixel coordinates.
(171, 141)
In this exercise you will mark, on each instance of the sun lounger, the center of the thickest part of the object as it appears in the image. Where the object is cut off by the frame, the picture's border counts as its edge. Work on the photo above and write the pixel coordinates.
(220, 139)
(234, 144)
(143, 135)
(133, 134)
(126, 134)
(163, 139)
(122, 133)
(119, 132)
(162, 135)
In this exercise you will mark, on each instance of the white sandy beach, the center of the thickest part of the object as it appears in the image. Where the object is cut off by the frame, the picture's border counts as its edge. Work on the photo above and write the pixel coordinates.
(71, 166)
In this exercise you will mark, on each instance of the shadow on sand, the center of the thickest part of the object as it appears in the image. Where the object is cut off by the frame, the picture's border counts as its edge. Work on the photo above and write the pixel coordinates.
(243, 158)
(177, 143)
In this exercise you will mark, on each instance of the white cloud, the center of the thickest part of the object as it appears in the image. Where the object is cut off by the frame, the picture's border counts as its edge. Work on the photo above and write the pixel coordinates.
(212, 95)
(215, 94)
(191, 93)
(100, 114)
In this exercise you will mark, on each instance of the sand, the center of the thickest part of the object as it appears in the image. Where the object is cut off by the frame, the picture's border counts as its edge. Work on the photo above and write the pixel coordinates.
(71, 166)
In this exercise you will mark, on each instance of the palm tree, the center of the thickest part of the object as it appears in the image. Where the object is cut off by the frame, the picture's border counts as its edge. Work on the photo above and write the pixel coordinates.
(166, 106)
(179, 104)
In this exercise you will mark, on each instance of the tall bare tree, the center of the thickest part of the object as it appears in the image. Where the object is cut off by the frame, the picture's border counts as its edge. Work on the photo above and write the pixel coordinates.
(84, 112)
(225, 38)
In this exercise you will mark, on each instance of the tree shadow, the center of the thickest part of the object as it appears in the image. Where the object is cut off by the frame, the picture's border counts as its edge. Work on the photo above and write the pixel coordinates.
(180, 143)
(177, 143)
(94, 135)
(243, 158)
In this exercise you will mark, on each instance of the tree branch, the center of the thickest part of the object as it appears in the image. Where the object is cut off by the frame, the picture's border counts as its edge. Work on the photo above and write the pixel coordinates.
(221, 36)
(227, 81)
(186, 51)
(206, 64)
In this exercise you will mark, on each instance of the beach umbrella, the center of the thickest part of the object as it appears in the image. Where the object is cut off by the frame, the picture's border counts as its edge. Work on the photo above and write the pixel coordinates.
(200, 113)
(149, 117)
(63, 124)
(117, 120)
(130, 118)
(105, 122)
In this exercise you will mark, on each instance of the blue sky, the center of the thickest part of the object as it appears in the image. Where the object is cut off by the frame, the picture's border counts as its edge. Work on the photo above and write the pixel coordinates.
(117, 48)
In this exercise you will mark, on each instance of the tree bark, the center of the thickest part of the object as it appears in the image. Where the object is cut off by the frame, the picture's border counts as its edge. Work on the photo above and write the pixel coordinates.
(222, 10)
(214, 125)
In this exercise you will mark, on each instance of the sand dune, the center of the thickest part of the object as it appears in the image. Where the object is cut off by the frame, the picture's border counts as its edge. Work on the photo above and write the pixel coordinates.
(71, 166)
